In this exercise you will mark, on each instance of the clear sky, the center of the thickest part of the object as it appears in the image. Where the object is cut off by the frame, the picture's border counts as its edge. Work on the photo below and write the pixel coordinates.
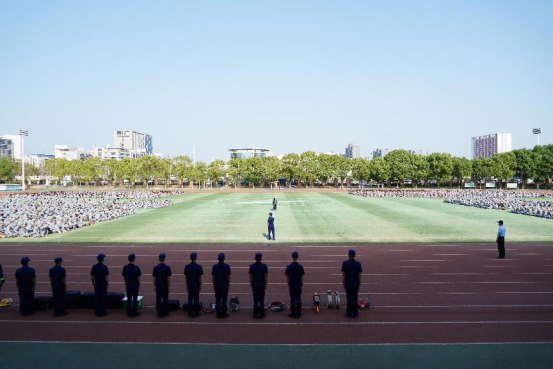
(290, 76)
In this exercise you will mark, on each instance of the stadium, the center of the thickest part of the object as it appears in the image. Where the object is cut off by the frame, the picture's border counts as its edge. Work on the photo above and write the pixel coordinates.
(430, 272)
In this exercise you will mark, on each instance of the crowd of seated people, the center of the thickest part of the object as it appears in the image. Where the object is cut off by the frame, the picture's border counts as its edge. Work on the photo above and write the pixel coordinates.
(519, 202)
(38, 215)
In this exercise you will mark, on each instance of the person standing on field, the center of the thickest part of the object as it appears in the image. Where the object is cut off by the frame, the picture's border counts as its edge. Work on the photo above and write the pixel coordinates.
(500, 239)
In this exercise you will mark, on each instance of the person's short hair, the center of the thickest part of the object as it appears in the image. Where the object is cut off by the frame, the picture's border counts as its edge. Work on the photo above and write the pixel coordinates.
(258, 256)
(193, 255)
(58, 259)
(100, 257)
(500, 222)
(295, 254)
(162, 256)
(132, 257)
(351, 252)
(25, 260)
(221, 256)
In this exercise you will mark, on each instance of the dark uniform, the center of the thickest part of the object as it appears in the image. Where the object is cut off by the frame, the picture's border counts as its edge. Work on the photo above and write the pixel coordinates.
(295, 272)
(99, 275)
(351, 272)
(221, 283)
(501, 240)
(132, 275)
(258, 280)
(2, 277)
(193, 273)
(57, 281)
(162, 274)
(274, 204)
(271, 226)
(25, 278)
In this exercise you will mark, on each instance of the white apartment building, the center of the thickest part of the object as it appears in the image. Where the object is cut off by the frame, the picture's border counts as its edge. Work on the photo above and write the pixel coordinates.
(65, 152)
(487, 145)
(139, 144)
(117, 153)
(16, 145)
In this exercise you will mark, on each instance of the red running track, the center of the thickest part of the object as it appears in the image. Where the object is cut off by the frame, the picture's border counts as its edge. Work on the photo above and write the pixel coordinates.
(421, 293)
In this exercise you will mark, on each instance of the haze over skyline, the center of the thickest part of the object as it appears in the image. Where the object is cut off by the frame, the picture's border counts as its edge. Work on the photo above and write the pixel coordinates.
(287, 76)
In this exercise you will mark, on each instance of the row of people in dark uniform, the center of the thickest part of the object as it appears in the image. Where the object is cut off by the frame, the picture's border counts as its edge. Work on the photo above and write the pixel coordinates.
(220, 272)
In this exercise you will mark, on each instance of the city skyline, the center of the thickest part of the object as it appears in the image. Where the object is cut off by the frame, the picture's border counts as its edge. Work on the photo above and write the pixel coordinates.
(290, 76)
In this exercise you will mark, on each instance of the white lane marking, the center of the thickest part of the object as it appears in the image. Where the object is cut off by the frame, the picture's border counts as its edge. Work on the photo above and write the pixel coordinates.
(258, 323)
(450, 254)
(416, 261)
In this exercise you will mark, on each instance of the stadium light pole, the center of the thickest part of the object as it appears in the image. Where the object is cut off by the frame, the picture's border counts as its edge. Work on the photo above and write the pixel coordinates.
(22, 134)
(537, 131)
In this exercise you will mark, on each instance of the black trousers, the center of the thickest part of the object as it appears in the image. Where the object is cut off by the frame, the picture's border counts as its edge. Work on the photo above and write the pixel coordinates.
(271, 230)
(221, 295)
(501, 246)
(258, 301)
(26, 298)
(132, 301)
(162, 295)
(295, 301)
(193, 300)
(352, 297)
(59, 301)
(100, 299)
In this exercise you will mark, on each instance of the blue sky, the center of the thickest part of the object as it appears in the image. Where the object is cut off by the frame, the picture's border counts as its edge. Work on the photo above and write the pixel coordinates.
(290, 76)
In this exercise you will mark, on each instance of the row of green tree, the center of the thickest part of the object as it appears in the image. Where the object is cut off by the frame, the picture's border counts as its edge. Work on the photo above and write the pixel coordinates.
(306, 169)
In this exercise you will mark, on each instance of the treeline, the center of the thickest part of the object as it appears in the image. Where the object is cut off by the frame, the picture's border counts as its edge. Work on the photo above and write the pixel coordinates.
(309, 169)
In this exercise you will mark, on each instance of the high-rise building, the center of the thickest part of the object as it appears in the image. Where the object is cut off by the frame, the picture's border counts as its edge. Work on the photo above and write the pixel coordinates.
(6, 148)
(380, 153)
(15, 145)
(415, 152)
(139, 144)
(352, 151)
(38, 160)
(486, 146)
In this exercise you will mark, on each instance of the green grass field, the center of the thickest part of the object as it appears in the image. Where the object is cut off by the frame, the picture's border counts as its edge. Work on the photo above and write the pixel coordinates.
(214, 217)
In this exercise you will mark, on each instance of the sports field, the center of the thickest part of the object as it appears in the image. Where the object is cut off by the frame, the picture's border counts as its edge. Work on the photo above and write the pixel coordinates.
(303, 217)
(440, 297)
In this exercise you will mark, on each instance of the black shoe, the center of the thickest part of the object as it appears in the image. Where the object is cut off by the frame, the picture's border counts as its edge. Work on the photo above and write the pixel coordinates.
(61, 314)
(29, 314)
(225, 316)
(291, 316)
(137, 314)
(262, 316)
(191, 315)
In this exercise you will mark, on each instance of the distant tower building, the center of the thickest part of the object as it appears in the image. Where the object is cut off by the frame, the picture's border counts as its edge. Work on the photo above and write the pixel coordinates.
(380, 153)
(415, 152)
(15, 146)
(139, 144)
(486, 146)
(6, 148)
(352, 151)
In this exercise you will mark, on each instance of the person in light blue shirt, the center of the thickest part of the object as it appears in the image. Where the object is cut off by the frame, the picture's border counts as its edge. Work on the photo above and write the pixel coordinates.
(501, 240)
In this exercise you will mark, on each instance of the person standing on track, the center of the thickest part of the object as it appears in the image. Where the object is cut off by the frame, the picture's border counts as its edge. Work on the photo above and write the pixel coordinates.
(59, 287)
(221, 284)
(25, 278)
(259, 275)
(500, 239)
(294, 278)
(193, 273)
(162, 286)
(274, 203)
(132, 274)
(271, 226)
(351, 279)
(99, 275)
(2, 277)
